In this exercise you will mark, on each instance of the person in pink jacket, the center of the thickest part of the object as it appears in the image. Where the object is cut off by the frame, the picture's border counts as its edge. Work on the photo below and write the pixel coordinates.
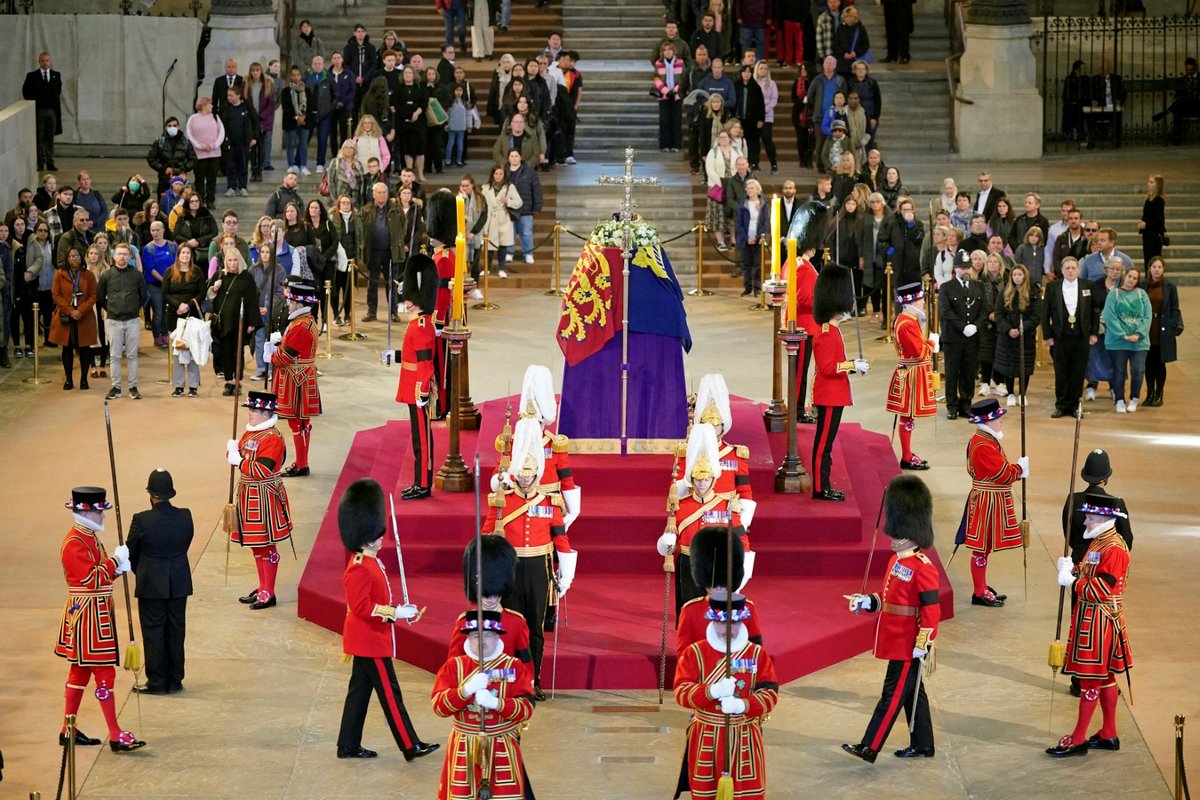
(206, 133)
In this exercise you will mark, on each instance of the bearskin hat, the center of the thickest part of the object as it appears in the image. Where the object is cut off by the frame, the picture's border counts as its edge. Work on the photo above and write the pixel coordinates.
(833, 295)
(808, 226)
(441, 217)
(908, 510)
(421, 282)
(708, 550)
(360, 515)
(499, 567)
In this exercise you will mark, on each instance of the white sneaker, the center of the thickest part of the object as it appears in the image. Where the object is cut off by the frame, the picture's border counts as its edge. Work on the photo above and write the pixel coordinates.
(320, 168)
(1090, 394)
(243, 192)
(230, 192)
(1133, 404)
(476, 294)
(984, 390)
(1001, 389)
(571, 160)
(1120, 406)
(529, 258)
(501, 274)
(1012, 400)
(305, 171)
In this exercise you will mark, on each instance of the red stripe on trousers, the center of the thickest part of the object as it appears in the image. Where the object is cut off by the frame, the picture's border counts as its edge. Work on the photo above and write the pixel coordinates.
(819, 451)
(885, 724)
(390, 699)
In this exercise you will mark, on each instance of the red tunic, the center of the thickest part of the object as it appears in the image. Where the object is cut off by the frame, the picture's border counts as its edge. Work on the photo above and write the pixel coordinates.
(831, 384)
(443, 259)
(908, 606)
(416, 360)
(694, 513)
(533, 524)
(264, 517)
(516, 635)
(910, 393)
(806, 282)
(692, 624)
(754, 672)
(87, 633)
(1099, 644)
(735, 470)
(294, 380)
(367, 588)
(557, 476)
(991, 520)
(512, 683)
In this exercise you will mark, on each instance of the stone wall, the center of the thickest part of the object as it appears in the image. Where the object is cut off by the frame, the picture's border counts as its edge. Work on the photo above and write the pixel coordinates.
(113, 69)
(18, 149)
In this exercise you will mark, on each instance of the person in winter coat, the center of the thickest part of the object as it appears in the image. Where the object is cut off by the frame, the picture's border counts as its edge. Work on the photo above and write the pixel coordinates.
(308, 46)
(241, 134)
(133, 195)
(751, 226)
(992, 281)
(1128, 317)
(320, 88)
(298, 117)
(195, 227)
(342, 82)
(526, 181)
(1019, 308)
(850, 43)
(770, 92)
(346, 176)
(669, 90)
(501, 198)
(1032, 253)
(234, 296)
(751, 110)
(206, 132)
(170, 154)
(259, 92)
(1166, 325)
(73, 323)
(362, 61)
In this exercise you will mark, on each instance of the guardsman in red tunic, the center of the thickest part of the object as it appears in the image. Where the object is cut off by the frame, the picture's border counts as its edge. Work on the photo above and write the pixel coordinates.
(989, 520)
(499, 574)
(833, 301)
(440, 220)
(700, 508)
(807, 227)
(417, 386)
(533, 523)
(87, 633)
(741, 689)
(712, 407)
(498, 688)
(909, 612)
(1098, 647)
(709, 571)
(264, 517)
(294, 378)
(369, 632)
(910, 393)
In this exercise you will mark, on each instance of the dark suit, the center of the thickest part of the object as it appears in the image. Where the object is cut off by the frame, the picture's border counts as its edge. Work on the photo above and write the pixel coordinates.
(960, 307)
(158, 551)
(47, 98)
(989, 208)
(1101, 86)
(221, 87)
(1071, 337)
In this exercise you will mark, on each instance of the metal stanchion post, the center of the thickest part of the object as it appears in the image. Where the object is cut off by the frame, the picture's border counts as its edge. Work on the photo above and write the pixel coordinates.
(699, 291)
(71, 756)
(487, 304)
(353, 335)
(762, 304)
(328, 328)
(889, 301)
(37, 359)
(557, 272)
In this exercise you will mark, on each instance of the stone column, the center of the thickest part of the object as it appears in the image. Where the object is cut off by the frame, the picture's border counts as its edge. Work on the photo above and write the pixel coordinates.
(999, 75)
(243, 30)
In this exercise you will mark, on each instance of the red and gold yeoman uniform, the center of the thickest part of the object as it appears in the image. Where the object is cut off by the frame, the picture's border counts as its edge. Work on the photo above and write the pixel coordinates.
(991, 519)
(87, 633)
(910, 392)
(294, 380)
(1099, 644)
(264, 517)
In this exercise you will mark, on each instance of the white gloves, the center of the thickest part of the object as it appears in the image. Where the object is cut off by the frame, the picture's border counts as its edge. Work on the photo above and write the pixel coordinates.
(121, 556)
(747, 512)
(936, 340)
(733, 705)
(268, 351)
(571, 499)
(485, 699)
(234, 458)
(407, 612)
(276, 338)
(666, 543)
(1066, 571)
(748, 567)
(566, 571)
(861, 365)
(722, 688)
(970, 330)
(232, 445)
(860, 602)
(474, 684)
(1023, 463)
(919, 653)
(387, 358)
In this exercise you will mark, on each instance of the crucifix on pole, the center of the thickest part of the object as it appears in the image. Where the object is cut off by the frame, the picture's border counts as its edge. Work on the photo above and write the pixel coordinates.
(628, 182)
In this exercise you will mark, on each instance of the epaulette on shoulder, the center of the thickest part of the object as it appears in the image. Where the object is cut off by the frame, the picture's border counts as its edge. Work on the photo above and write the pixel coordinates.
(496, 499)
(514, 613)
(696, 600)
(924, 559)
(557, 501)
(358, 558)
(560, 443)
(681, 450)
(742, 451)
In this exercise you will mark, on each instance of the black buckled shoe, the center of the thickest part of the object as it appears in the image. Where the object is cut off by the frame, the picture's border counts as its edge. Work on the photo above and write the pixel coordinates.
(915, 752)
(296, 472)
(356, 752)
(1067, 748)
(917, 463)
(259, 605)
(422, 749)
(861, 751)
(1099, 743)
(987, 599)
(538, 695)
(148, 689)
(951, 415)
(1000, 597)
(806, 419)
(126, 743)
(81, 740)
(833, 495)
(418, 493)
(250, 598)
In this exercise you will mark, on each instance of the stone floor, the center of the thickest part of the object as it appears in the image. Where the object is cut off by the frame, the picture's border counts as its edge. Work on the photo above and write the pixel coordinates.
(260, 713)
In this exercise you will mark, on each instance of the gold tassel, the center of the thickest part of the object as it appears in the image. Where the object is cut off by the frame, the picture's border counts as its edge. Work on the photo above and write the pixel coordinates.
(229, 518)
(133, 657)
(1025, 533)
(347, 658)
(1056, 656)
(725, 788)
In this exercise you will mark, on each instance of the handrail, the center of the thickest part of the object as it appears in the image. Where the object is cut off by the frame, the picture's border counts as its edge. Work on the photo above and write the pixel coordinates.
(957, 46)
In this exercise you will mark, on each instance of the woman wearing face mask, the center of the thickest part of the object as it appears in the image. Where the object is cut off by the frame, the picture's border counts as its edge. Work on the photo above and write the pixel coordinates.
(170, 154)
(133, 195)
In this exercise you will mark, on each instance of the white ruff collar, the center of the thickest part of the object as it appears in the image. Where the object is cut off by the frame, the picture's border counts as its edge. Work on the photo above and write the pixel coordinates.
(715, 639)
(299, 312)
(995, 434)
(469, 649)
(1103, 527)
(262, 426)
(90, 524)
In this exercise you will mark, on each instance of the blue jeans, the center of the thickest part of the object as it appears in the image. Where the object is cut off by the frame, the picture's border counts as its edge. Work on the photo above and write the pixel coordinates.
(454, 146)
(505, 13)
(264, 144)
(296, 143)
(260, 339)
(754, 38)
(525, 232)
(456, 21)
(324, 126)
(154, 309)
(1132, 363)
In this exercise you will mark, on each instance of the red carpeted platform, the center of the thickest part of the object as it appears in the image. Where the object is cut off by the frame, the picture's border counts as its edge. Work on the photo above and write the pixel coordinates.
(810, 553)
